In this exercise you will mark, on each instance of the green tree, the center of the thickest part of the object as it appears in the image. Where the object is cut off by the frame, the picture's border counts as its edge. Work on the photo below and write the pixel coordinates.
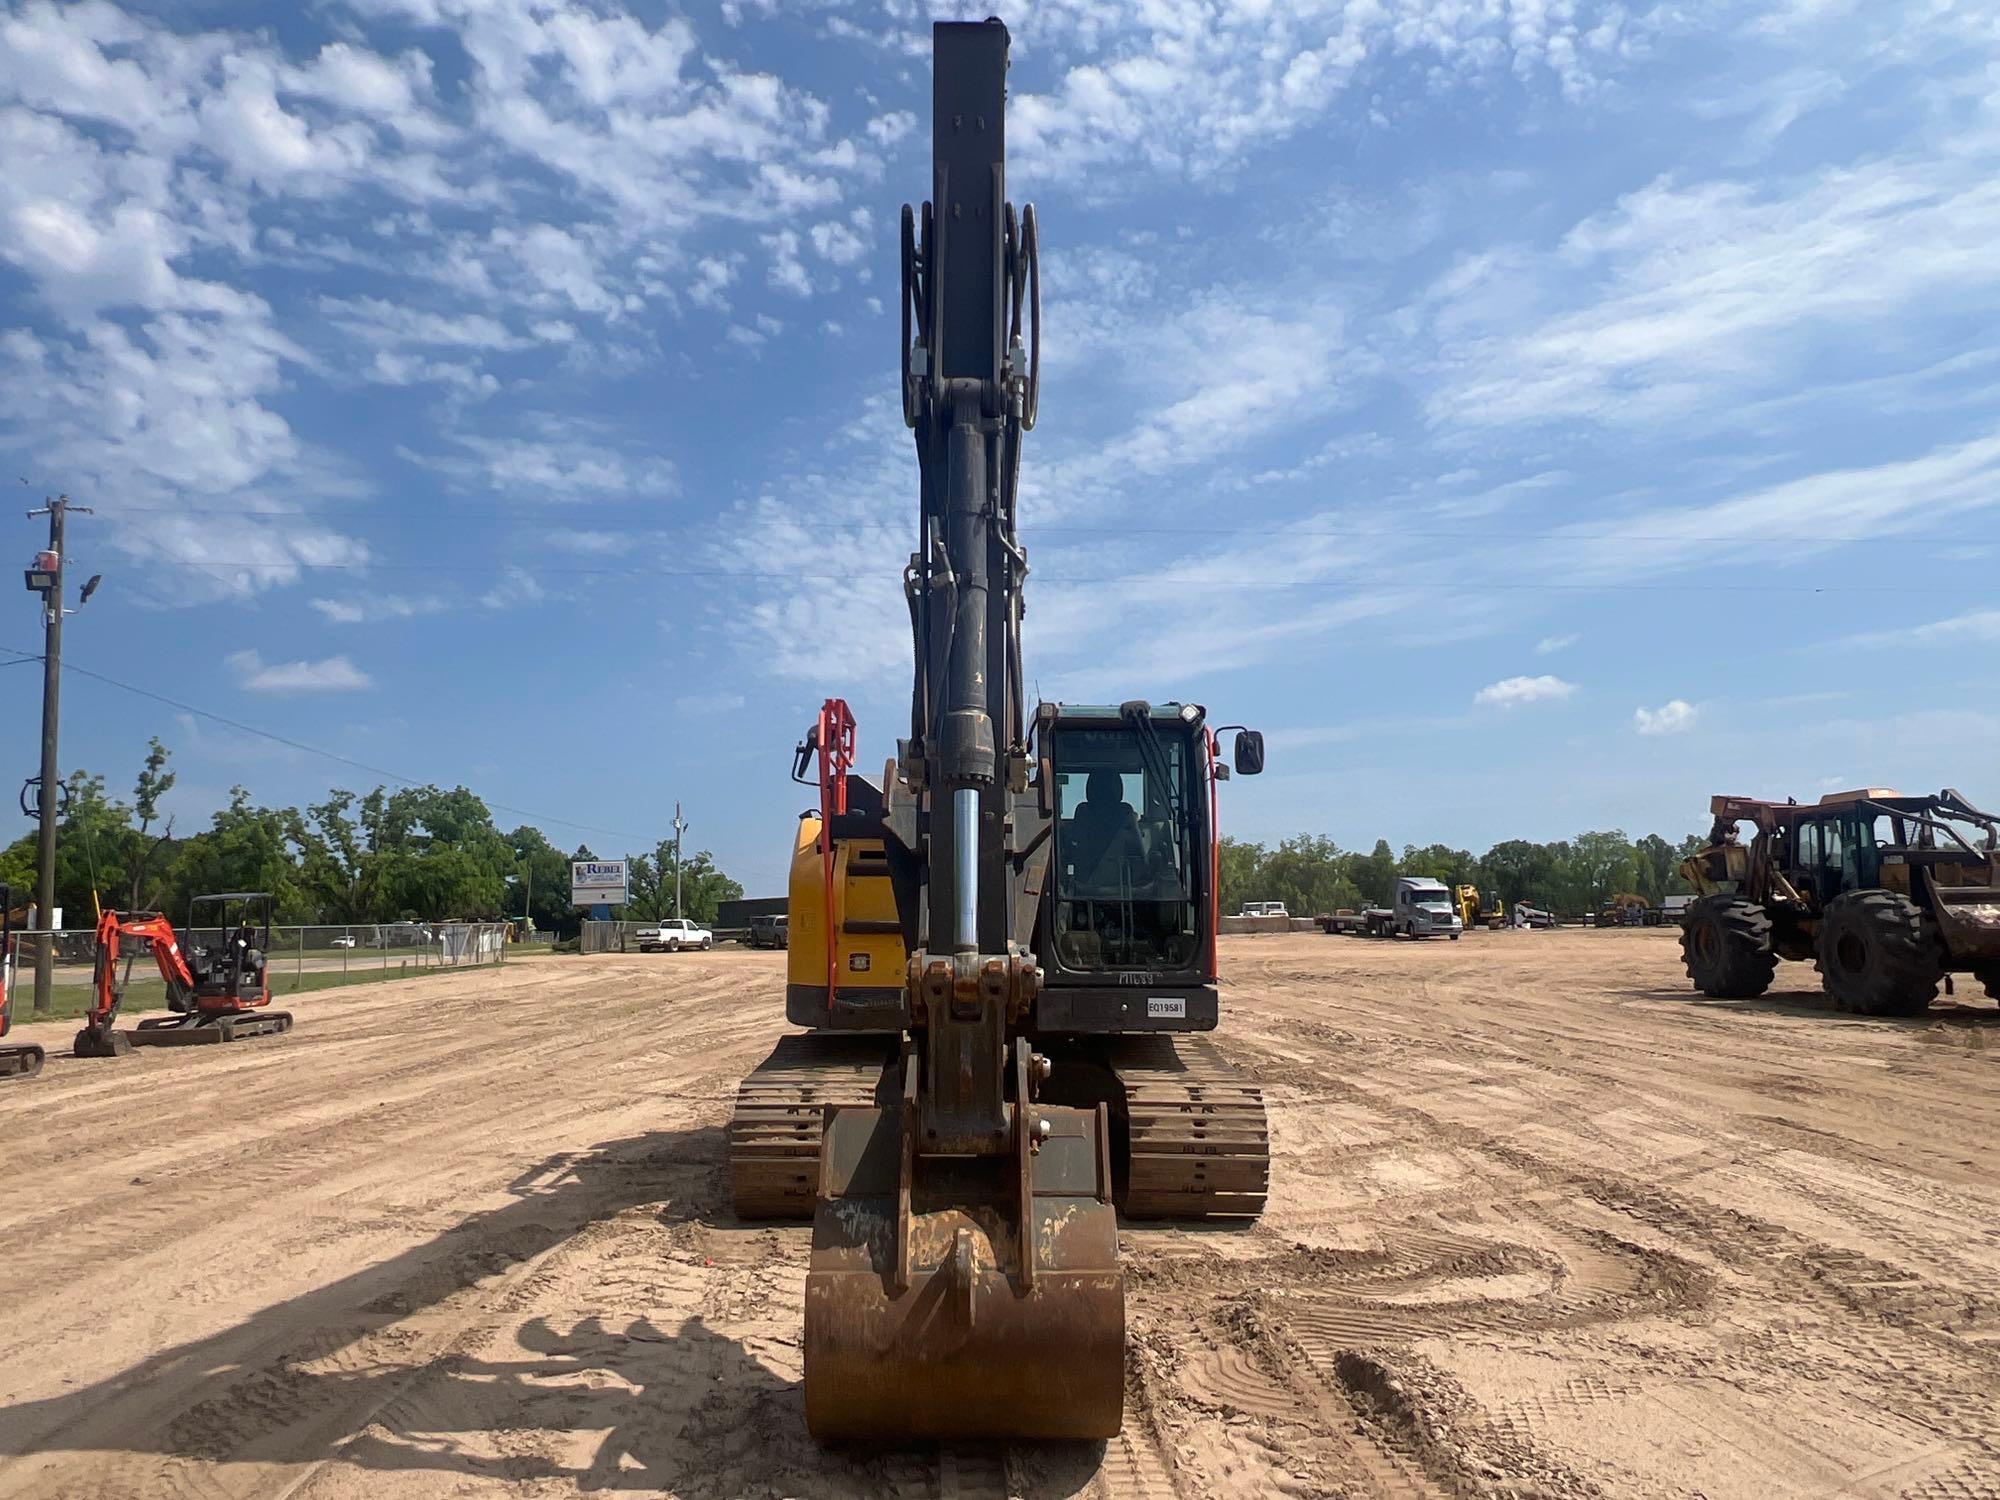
(246, 848)
(1242, 872)
(1603, 865)
(1309, 873)
(1519, 870)
(1375, 875)
(440, 856)
(1453, 867)
(703, 887)
(650, 881)
(1656, 860)
(153, 783)
(538, 884)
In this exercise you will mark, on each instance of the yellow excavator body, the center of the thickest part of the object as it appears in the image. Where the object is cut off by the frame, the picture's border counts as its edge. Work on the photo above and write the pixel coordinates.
(868, 938)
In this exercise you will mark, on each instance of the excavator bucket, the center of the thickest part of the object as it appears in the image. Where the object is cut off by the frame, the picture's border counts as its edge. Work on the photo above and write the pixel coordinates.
(930, 1315)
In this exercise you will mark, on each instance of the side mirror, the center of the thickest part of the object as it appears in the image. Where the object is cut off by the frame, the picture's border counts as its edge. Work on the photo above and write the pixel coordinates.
(1249, 754)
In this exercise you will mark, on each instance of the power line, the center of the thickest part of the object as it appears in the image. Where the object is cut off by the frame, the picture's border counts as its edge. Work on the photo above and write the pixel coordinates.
(1124, 580)
(265, 734)
(1411, 532)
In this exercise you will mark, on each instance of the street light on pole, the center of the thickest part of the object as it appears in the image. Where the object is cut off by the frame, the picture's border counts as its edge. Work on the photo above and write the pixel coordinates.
(680, 827)
(45, 577)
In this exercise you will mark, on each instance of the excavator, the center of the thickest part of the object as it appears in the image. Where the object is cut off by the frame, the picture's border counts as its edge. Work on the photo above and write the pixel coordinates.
(217, 991)
(17, 1059)
(1477, 908)
(1003, 953)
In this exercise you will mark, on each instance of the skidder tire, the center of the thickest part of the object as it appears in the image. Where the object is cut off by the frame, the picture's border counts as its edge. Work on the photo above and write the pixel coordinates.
(1876, 956)
(1726, 947)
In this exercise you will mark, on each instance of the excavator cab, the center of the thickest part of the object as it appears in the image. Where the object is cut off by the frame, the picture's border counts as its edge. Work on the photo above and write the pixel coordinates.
(1126, 829)
(228, 948)
(1130, 897)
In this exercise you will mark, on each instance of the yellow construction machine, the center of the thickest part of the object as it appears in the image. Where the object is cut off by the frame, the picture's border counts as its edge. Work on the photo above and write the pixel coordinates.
(1004, 950)
(1477, 909)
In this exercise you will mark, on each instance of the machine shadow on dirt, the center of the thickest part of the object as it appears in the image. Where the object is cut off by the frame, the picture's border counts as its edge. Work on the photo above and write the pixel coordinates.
(1811, 1005)
(682, 1406)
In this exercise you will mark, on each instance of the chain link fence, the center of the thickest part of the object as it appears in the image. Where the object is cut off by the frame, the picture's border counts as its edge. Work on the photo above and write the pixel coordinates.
(612, 937)
(298, 959)
(623, 937)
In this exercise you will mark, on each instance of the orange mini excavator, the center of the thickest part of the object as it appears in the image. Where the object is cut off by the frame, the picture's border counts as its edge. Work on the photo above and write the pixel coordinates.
(17, 1059)
(218, 990)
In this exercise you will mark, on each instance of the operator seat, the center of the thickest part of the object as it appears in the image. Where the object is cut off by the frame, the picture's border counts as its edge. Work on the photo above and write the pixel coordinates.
(1102, 830)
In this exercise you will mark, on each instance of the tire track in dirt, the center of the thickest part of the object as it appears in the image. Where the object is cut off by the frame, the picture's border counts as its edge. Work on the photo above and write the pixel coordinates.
(1537, 1227)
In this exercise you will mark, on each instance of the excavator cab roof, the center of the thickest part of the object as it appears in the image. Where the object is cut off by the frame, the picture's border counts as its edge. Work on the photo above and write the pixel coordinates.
(231, 909)
(1094, 715)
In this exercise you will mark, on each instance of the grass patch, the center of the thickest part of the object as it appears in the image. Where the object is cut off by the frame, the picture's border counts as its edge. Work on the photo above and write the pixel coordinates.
(71, 1000)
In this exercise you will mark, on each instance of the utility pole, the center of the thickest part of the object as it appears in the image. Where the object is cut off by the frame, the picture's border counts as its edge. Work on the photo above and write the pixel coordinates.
(679, 829)
(46, 578)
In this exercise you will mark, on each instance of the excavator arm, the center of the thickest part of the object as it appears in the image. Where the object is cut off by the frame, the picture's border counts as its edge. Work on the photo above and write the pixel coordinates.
(964, 1278)
(114, 930)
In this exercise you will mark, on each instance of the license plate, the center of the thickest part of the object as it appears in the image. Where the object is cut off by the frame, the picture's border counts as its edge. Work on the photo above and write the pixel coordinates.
(1160, 1009)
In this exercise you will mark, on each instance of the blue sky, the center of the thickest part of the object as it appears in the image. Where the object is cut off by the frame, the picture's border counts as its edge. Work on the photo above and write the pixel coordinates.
(1535, 415)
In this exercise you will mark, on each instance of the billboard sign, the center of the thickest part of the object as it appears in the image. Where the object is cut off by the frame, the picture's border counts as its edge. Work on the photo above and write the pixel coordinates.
(598, 882)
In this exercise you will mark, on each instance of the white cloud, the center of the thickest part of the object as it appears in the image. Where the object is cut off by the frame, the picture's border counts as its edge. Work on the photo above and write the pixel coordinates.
(843, 243)
(564, 465)
(1802, 516)
(887, 129)
(1549, 645)
(593, 543)
(379, 323)
(1674, 717)
(1511, 692)
(516, 586)
(577, 166)
(786, 272)
(1979, 625)
(1212, 374)
(1181, 89)
(704, 704)
(709, 283)
(1686, 295)
(336, 674)
(359, 609)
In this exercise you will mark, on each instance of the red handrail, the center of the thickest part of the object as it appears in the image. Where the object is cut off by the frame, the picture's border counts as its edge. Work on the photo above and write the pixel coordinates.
(834, 735)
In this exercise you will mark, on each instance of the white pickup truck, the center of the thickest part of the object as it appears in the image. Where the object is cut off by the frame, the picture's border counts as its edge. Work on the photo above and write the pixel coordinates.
(675, 934)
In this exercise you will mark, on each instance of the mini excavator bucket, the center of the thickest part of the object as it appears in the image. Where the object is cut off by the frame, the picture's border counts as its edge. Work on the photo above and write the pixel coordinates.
(930, 1314)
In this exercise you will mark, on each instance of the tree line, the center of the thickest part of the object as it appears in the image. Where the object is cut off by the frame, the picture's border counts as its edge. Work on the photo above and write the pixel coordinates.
(413, 854)
(1573, 876)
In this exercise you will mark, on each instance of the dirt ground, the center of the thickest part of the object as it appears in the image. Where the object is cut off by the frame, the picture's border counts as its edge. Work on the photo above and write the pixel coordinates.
(1543, 1223)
